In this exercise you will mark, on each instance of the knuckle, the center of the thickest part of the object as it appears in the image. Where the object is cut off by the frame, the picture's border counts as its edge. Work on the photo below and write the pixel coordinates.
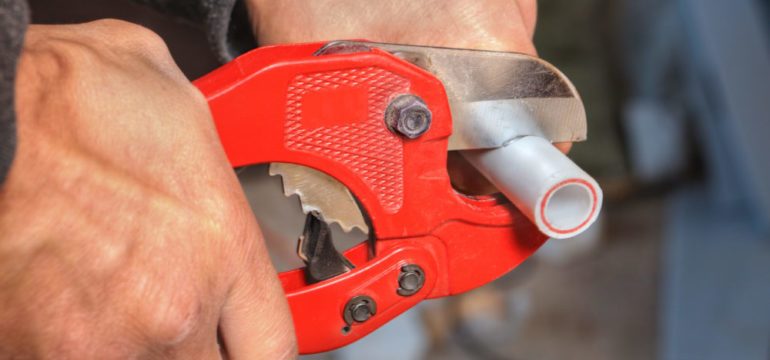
(131, 37)
(170, 317)
(53, 65)
(56, 56)
(284, 345)
(118, 31)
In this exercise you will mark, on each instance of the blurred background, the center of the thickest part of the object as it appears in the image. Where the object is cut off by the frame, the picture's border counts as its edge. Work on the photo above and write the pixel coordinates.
(677, 267)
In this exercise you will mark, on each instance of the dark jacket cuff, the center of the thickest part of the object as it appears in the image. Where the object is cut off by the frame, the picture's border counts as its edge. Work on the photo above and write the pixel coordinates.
(226, 23)
(14, 17)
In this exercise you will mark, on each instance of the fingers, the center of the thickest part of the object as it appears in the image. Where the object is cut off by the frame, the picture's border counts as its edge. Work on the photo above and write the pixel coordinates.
(563, 146)
(256, 322)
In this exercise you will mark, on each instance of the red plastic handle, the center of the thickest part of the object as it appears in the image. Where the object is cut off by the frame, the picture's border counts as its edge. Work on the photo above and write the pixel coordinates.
(283, 104)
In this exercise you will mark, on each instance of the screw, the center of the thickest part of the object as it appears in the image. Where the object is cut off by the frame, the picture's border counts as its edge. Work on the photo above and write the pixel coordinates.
(411, 280)
(408, 116)
(361, 312)
(359, 309)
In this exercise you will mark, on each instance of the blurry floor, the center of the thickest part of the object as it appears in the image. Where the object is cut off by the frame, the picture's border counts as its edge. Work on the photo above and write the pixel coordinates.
(716, 276)
(598, 305)
(601, 305)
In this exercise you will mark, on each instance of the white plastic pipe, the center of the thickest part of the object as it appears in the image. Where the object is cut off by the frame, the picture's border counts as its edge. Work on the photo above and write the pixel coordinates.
(553, 192)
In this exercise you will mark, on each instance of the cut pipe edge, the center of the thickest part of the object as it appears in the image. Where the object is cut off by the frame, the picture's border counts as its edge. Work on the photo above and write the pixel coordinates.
(559, 197)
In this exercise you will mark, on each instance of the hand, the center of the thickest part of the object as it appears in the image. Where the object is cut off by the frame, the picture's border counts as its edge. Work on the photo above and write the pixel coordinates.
(123, 231)
(502, 25)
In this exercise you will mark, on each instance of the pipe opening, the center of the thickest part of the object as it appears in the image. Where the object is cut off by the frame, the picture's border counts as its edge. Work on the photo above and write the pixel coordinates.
(569, 207)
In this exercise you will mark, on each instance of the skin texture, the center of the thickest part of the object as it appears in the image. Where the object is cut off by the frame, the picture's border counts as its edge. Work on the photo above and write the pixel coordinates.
(506, 25)
(124, 233)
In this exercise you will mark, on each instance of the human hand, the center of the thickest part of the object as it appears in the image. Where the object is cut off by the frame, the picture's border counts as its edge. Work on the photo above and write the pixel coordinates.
(123, 231)
(501, 25)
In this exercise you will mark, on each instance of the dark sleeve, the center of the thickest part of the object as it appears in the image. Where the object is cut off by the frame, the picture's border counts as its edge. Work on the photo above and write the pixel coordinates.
(226, 22)
(14, 17)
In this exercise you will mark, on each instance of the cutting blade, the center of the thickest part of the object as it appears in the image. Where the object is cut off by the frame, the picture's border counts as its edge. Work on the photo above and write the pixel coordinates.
(320, 192)
(494, 97)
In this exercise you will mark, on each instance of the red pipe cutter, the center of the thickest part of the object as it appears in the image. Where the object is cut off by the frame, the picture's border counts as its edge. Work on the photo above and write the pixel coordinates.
(377, 119)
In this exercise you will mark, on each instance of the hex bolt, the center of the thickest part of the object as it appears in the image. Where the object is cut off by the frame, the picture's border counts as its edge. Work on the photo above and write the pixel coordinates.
(411, 280)
(359, 309)
(408, 115)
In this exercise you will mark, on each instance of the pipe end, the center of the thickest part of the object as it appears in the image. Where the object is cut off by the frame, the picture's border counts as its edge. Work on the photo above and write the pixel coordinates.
(569, 207)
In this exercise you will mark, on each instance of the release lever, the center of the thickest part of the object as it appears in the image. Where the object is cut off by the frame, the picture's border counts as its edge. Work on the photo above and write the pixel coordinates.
(316, 249)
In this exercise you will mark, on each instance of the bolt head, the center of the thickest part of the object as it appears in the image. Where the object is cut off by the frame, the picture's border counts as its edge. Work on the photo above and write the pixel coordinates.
(408, 116)
(411, 280)
(359, 309)
(361, 312)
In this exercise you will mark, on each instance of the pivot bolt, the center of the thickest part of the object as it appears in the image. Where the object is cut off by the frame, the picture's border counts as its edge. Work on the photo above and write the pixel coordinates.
(359, 309)
(411, 280)
(361, 312)
(408, 116)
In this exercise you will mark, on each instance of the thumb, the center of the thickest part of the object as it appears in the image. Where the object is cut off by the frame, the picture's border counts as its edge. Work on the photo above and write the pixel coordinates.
(256, 321)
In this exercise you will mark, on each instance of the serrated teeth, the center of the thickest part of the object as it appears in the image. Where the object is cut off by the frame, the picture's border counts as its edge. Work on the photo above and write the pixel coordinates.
(320, 192)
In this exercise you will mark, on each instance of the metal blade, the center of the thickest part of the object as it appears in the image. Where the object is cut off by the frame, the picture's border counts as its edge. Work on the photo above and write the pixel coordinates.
(321, 193)
(494, 96)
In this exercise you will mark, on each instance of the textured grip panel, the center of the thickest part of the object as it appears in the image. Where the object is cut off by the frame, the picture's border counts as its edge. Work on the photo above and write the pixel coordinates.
(356, 138)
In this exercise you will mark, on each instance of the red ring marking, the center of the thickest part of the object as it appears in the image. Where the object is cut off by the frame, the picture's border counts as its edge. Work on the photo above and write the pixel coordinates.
(548, 198)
